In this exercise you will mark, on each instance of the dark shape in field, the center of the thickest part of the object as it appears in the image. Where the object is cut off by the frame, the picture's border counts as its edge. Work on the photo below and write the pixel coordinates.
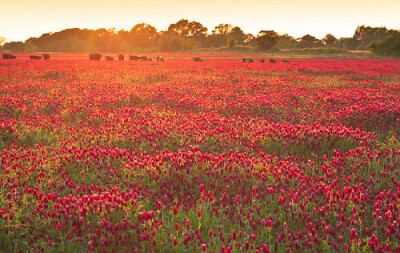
(46, 56)
(95, 57)
(121, 57)
(247, 60)
(197, 59)
(109, 58)
(158, 58)
(262, 61)
(143, 58)
(272, 61)
(285, 61)
(133, 58)
(35, 57)
(9, 56)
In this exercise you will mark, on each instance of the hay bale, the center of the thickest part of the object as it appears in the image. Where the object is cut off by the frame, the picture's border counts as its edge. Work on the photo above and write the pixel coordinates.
(197, 59)
(9, 56)
(121, 57)
(262, 61)
(35, 57)
(133, 58)
(95, 57)
(272, 61)
(109, 58)
(285, 61)
(46, 56)
(247, 60)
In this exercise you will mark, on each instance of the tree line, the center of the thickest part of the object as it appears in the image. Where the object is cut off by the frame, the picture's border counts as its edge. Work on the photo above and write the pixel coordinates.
(186, 35)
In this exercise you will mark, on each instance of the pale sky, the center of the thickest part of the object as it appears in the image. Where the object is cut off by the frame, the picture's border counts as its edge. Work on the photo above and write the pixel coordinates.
(21, 19)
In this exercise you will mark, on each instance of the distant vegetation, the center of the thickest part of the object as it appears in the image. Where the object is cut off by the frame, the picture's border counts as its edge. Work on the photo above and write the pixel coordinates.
(187, 35)
(389, 46)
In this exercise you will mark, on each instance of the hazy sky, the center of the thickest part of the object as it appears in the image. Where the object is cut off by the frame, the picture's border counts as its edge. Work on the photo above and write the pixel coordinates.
(21, 19)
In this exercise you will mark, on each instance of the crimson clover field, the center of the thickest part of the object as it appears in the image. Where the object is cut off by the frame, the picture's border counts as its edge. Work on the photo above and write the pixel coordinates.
(217, 156)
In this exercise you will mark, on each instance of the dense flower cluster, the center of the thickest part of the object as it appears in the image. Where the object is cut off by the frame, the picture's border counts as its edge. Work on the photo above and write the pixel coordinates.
(218, 156)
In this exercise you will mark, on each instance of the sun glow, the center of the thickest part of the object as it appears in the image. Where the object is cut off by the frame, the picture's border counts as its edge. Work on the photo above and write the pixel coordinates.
(297, 19)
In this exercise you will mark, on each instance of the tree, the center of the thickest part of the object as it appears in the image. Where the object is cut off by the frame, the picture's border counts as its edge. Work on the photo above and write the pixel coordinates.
(347, 43)
(364, 35)
(266, 40)
(238, 35)
(218, 36)
(68, 40)
(197, 30)
(163, 41)
(249, 40)
(42, 42)
(231, 43)
(180, 28)
(29, 47)
(16, 47)
(389, 46)
(308, 41)
(184, 28)
(223, 29)
(329, 40)
(170, 42)
(176, 44)
(2, 41)
(143, 35)
(286, 41)
(105, 40)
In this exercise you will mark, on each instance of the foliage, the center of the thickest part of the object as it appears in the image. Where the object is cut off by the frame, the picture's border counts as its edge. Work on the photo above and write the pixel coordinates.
(184, 28)
(286, 41)
(308, 41)
(29, 47)
(145, 38)
(174, 43)
(321, 50)
(222, 29)
(329, 40)
(266, 40)
(232, 43)
(142, 35)
(389, 46)
(16, 47)
(237, 35)
(347, 43)
(364, 35)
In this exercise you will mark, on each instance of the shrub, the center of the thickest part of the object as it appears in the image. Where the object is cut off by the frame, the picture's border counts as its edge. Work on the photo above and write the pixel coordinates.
(389, 46)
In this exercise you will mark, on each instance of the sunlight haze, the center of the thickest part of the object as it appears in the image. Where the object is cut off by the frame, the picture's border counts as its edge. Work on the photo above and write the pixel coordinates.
(21, 19)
